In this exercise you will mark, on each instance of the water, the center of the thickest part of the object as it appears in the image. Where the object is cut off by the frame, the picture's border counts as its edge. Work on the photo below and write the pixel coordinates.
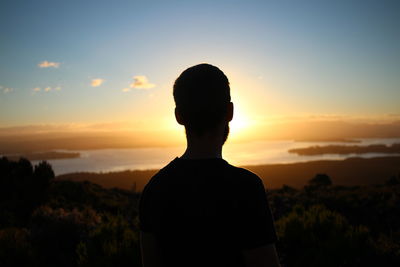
(251, 153)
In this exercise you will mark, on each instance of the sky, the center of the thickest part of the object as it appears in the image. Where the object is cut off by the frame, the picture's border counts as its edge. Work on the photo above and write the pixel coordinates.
(114, 62)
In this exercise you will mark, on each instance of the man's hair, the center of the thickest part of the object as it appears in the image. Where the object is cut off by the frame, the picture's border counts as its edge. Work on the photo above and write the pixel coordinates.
(201, 95)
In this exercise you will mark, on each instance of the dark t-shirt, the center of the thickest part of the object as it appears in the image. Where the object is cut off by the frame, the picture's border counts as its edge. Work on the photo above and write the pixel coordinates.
(205, 212)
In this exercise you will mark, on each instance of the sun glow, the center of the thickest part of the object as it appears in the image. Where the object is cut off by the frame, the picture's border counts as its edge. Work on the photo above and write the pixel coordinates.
(239, 124)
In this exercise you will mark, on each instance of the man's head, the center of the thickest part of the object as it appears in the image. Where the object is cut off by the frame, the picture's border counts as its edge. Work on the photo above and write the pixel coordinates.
(202, 99)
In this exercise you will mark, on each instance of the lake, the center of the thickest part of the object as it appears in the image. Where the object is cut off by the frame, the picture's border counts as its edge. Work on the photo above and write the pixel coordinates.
(250, 153)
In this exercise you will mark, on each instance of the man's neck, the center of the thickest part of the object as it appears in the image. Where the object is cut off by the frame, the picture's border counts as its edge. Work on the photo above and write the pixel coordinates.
(209, 146)
(191, 153)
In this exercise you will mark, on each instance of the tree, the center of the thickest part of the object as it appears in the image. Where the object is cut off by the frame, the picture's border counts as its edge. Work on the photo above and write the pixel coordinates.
(320, 180)
(394, 180)
(22, 189)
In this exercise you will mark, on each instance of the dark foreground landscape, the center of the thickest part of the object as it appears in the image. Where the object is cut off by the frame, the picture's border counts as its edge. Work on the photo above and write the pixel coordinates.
(328, 213)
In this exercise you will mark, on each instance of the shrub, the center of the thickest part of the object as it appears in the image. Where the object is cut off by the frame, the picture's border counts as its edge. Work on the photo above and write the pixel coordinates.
(15, 248)
(113, 243)
(320, 237)
(55, 233)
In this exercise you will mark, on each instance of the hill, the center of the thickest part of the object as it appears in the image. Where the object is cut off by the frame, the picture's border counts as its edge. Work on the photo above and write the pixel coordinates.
(352, 171)
(340, 149)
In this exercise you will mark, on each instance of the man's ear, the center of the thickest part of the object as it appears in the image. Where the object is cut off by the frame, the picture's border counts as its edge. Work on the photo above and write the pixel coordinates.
(178, 117)
(229, 112)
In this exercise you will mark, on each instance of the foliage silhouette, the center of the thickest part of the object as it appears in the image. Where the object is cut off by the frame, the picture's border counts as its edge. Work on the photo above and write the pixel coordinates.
(320, 180)
(325, 238)
(15, 247)
(50, 222)
(55, 233)
(394, 180)
(22, 189)
(113, 243)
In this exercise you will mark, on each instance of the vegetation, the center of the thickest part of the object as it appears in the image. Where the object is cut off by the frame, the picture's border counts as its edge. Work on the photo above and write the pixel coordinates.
(50, 222)
(327, 225)
(44, 222)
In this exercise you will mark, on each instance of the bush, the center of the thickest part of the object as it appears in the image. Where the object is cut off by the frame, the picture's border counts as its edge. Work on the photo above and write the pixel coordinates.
(320, 237)
(56, 233)
(15, 248)
(113, 243)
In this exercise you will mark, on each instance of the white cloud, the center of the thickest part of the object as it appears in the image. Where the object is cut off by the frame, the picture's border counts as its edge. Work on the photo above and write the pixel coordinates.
(125, 90)
(141, 82)
(46, 89)
(6, 90)
(48, 64)
(97, 82)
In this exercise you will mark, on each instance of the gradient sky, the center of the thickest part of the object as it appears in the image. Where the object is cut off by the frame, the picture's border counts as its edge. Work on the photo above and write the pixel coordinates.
(283, 58)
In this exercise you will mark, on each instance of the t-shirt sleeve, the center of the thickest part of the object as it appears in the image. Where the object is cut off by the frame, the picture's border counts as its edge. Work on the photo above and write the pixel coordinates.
(145, 216)
(256, 221)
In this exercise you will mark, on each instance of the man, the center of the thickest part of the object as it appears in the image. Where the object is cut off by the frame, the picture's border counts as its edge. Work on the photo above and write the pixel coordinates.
(199, 210)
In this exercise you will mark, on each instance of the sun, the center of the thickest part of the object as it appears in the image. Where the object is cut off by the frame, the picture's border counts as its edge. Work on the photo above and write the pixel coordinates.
(239, 123)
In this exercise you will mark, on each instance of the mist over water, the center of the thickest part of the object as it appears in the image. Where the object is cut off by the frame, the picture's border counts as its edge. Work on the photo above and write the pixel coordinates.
(250, 153)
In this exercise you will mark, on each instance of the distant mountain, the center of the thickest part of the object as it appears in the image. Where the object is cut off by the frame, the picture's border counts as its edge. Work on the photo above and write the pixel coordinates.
(349, 172)
(340, 149)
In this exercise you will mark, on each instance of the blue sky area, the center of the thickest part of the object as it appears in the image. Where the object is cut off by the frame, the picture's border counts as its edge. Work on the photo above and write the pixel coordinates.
(109, 61)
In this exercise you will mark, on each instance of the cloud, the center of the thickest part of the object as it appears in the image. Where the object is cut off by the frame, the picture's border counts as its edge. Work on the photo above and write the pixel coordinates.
(57, 128)
(125, 90)
(46, 89)
(141, 82)
(6, 90)
(97, 82)
(48, 64)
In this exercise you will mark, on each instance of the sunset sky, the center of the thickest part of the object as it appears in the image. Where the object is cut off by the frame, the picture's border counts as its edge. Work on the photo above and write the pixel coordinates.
(114, 62)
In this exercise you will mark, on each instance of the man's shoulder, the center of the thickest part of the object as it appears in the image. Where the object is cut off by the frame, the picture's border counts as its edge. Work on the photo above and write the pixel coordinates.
(161, 173)
(233, 171)
(245, 176)
(166, 170)
(243, 172)
(233, 174)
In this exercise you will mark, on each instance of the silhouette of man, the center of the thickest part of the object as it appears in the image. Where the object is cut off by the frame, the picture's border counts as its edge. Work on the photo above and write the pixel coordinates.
(199, 210)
